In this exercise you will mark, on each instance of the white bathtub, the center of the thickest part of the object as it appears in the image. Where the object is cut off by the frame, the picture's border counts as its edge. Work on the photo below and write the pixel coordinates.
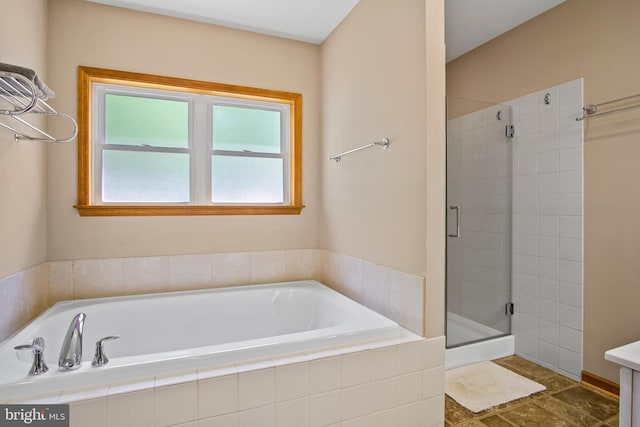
(173, 332)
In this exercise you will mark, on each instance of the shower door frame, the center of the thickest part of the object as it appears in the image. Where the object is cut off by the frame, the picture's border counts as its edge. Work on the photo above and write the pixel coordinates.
(494, 115)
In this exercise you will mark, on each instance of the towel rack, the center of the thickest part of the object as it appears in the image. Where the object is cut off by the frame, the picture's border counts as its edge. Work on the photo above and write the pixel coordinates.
(384, 143)
(21, 96)
(593, 110)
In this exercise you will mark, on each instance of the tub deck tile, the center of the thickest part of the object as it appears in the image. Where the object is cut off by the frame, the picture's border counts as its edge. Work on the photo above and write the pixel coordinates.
(176, 378)
(129, 386)
(85, 393)
(217, 371)
(38, 399)
(254, 365)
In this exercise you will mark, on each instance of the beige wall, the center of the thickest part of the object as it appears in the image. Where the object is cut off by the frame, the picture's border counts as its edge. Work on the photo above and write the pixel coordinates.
(597, 40)
(373, 76)
(375, 85)
(84, 33)
(23, 40)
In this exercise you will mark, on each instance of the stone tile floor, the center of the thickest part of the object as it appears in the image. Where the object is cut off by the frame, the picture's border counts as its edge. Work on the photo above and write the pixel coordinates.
(564, 403)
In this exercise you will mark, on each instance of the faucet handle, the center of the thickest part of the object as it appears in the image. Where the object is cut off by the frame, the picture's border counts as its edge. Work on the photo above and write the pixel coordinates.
(39, 366)
(100, 358)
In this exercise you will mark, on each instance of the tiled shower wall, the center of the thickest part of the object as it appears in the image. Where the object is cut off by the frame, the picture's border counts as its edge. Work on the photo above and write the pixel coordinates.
(548, 227)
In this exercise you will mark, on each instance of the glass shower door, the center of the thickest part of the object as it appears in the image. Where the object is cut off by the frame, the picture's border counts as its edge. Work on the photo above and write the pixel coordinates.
(479, 182)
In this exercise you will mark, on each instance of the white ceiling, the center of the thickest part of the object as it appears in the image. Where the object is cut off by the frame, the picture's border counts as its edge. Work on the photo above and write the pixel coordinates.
(469, 23)
(306, 20)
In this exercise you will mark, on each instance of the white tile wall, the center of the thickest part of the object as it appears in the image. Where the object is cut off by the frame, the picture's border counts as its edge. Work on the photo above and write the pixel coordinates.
(548, 283)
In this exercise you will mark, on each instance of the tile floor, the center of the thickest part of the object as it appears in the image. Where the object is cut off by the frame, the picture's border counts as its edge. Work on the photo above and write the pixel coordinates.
(564, 403)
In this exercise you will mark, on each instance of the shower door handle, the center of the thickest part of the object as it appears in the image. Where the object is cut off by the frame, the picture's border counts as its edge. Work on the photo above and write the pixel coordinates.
(457, 233)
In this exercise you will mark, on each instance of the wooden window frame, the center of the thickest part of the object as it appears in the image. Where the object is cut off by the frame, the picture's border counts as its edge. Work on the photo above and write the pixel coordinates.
(87, 76)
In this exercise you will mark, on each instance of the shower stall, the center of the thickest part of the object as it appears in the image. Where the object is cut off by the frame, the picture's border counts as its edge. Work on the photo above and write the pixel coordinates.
(479, 195)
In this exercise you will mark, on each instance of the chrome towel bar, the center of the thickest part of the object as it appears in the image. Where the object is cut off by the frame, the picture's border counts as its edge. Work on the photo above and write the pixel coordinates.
(384, 143)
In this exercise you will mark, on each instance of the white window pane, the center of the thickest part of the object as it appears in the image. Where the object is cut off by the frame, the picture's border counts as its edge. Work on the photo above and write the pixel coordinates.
(130, 176)
(246, 180)
(135, 120)
(239, 129)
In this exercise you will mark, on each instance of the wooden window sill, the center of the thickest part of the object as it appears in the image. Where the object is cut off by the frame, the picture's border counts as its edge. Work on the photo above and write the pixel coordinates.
(121, 210)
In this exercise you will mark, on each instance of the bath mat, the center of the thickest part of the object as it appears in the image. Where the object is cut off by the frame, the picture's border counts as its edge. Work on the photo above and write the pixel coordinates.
(484, 385)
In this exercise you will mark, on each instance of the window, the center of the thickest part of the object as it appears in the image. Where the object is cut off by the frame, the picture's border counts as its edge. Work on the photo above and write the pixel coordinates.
(152, 145)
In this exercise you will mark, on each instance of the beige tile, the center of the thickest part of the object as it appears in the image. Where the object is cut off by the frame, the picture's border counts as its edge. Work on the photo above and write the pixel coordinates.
(384, 362)
(190, 424)
(179, 377)
(379, 419)
(128, 386)
(257, 388)
(294, 413)
(433, 410)
(190, 272)
(433, 351)
(432, 382)
(145, 275)
(324, 409)
(14, 313)
(229, 420)
(217, 396)
(350, 271)
(292, 381)
(324, 375)
(410, 415)
(60, 276)
(176, 404)
(409, 388)
(355, 368)
(88, 413)
(289, 359)
(384, 394)
(304, 264)
(83, 393)
(131, 409)
(264, 416)
(217, 371)
(376, 287)
(268, 267)
(406, 299)
(355, 402)
(38, 399)
(97, 278)
(409, 357)
(231, 269)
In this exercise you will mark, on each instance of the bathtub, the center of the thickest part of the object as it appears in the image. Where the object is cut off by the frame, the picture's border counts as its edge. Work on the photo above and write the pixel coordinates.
(178, 331)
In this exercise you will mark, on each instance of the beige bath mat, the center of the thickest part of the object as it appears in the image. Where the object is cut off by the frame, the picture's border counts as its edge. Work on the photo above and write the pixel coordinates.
(484, 385)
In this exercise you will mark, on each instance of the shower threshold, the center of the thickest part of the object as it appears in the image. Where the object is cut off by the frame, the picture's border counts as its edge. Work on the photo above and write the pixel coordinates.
(482, 346)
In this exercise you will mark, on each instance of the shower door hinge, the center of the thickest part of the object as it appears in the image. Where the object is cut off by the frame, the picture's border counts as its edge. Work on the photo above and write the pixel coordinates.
(509, 131)
(509, 309)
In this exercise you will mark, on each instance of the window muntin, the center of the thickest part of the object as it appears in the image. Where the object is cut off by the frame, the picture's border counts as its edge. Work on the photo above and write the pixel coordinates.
(242, 147)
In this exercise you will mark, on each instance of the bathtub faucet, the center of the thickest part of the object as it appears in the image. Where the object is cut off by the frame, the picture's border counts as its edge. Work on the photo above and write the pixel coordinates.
(71, 352)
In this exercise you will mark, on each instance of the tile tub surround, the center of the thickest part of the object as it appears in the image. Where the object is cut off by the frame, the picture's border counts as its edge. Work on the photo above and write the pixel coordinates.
(392, 293)
(375, 384)
(23, 295)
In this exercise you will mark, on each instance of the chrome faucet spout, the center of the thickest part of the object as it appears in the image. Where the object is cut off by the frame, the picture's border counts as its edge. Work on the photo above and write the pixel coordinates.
(71, 351)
